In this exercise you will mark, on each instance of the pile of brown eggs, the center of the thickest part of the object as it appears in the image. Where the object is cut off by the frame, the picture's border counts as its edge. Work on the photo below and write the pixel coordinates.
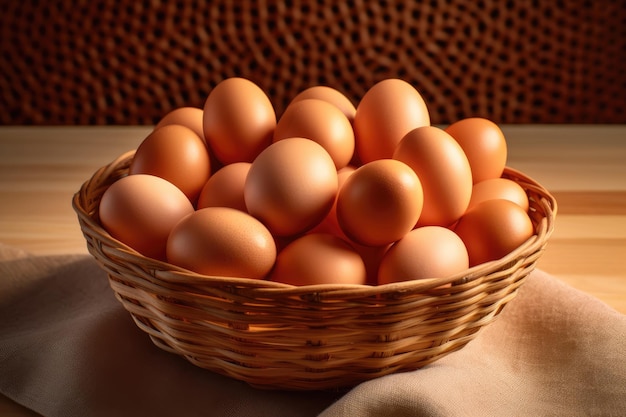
(327, 193)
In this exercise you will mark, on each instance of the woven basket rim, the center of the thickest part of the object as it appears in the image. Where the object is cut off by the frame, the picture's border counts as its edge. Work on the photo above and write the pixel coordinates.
(174, 273)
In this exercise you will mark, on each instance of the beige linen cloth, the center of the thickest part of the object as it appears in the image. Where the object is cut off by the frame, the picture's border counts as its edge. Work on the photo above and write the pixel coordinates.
(68, 348)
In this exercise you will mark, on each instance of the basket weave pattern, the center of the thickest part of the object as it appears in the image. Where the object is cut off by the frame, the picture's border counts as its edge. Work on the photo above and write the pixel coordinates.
(273, 335)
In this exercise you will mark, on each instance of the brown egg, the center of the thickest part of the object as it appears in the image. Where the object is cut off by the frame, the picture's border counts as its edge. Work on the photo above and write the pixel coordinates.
(177, 154)
(239, 120)
(225, 187)
(484, 145)
(380, 202)
(222, 241)
(424, 252)
(498, 188)
(443, 170)
(190, 117)
(291, 186)
(321, 122)
(141, 210)
(330, 95)
(492, 229)
(388, 111)
(319, 258)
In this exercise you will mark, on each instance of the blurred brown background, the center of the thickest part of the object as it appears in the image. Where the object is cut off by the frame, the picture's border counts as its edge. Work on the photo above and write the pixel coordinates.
(130, 62)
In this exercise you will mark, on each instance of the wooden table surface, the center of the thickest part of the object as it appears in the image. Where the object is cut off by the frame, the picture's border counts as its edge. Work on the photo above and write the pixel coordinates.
(584, 166)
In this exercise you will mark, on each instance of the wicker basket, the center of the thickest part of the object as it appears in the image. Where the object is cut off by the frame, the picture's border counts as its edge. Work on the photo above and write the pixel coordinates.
(273, 335)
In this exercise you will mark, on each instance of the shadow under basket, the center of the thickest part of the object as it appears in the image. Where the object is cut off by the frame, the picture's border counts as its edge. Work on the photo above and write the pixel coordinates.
(324, 337)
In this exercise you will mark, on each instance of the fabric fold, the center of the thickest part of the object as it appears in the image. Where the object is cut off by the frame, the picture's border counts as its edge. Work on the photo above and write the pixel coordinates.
(554, 351)
(68, 348)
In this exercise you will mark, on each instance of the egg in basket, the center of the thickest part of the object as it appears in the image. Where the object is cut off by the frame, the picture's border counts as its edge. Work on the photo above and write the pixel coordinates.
(327, 247)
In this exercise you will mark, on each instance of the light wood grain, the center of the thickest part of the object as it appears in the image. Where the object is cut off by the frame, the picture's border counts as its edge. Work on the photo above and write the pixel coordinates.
(40, 170)
(584, 166)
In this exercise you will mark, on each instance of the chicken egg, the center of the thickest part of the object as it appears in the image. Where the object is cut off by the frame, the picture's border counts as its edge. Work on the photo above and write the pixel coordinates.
(424, 252)
(140, 210)
(380, 202)
(492, 229)
(495, 188)
(319, 258)
(177, 154)
(238, 120)
(291, 186)
(225, 187)
(222, 241)
(387, 111)
(484, 145)
(330, 95)
(190, 117)
(443, 170)
(321, 122)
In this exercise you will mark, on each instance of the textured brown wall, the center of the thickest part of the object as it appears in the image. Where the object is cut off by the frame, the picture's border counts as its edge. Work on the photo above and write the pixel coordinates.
(129, 62)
